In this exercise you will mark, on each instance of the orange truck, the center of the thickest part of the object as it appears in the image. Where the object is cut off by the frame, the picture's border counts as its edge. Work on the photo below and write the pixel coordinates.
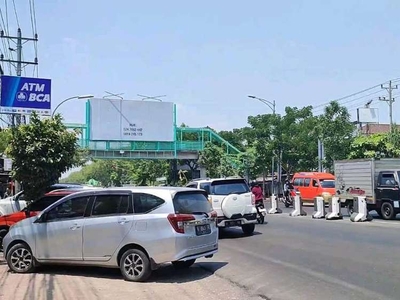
(313, 184)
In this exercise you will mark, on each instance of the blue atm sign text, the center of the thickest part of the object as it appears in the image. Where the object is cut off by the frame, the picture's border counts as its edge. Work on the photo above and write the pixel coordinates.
(24, 95)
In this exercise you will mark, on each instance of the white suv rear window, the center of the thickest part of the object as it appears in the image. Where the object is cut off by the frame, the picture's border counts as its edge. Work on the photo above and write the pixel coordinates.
(191, 203)
(226, 187)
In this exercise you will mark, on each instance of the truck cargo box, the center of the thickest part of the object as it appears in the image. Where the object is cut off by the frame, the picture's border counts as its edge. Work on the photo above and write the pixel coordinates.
(358, 176)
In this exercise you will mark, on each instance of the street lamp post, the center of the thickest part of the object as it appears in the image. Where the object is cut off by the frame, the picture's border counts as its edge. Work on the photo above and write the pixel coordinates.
(272, 106)
(70, 98)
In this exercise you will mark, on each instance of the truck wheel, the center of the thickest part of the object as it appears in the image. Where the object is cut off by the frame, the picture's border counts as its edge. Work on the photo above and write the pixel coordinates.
(387, 211)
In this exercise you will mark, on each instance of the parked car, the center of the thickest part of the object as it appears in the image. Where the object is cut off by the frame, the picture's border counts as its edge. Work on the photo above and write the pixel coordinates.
(17, 202)
(314, 184)
(134, 229)
(6, 221)
(233, 201)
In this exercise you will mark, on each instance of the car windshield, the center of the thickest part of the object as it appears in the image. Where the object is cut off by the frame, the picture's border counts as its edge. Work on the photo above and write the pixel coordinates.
(327, 183)
(191, 203)
(226, 187)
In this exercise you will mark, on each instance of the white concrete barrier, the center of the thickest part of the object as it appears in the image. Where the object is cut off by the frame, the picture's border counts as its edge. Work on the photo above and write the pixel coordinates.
(360, 210)
(274, 206)
(319, 208)
(334, 211)
(298, 207)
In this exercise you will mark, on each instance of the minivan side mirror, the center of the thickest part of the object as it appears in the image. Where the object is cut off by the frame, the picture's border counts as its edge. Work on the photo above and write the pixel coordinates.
(41, 219)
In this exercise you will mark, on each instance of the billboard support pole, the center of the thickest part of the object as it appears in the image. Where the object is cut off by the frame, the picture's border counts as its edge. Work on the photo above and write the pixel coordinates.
(175, 137)
(87, 132)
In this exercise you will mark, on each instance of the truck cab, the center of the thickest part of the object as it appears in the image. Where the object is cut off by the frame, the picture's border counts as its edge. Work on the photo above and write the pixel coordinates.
(387, 193)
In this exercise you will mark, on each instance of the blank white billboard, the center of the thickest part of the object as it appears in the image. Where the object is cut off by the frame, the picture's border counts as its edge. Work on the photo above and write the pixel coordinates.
(129, 120)
(368, 115)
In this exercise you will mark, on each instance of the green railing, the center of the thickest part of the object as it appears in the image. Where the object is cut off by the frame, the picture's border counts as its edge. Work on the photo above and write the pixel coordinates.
(187, 139)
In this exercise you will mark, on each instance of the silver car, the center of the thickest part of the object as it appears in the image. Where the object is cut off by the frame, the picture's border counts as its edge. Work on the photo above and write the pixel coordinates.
(133, 229)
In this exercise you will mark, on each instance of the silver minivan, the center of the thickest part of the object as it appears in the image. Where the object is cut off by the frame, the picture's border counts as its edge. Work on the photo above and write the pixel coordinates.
(133, 229)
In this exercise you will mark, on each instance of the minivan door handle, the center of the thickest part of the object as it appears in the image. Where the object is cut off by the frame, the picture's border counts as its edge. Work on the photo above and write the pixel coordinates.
(122, 221)
(75, 226)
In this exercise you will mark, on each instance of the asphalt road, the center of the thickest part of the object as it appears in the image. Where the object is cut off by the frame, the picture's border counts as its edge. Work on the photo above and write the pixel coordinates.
(302, 258)
(287, 258)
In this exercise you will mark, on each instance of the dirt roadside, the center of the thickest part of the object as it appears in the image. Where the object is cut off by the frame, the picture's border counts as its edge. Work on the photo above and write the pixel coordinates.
(66, 283)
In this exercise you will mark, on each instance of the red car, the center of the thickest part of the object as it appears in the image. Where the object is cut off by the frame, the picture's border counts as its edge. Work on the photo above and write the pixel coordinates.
(31, 210)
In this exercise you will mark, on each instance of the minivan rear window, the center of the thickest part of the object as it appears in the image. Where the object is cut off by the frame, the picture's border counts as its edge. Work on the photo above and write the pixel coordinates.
(191, 203)
(226, 187)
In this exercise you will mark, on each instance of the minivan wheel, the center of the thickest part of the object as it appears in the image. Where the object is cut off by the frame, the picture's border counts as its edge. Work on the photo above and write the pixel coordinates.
(248, 229)
(135, 265)
(183, 264)
(387, 211)
(20, 259)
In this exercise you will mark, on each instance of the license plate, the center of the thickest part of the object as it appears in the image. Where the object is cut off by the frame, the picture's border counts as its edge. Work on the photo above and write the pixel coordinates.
(203, 229)
(233, 223)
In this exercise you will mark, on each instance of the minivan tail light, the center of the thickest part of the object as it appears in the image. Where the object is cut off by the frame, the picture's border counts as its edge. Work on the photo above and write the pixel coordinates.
(178, 220)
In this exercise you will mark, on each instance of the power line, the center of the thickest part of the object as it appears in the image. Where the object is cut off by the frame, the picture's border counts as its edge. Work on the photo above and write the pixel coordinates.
(350, 101)
(16, 14)
(31, 14)
(34, 33)
(354, 94)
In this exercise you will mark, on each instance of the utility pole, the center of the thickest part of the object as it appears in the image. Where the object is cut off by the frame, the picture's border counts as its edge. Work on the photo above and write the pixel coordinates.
(19, 64)
(390, 101)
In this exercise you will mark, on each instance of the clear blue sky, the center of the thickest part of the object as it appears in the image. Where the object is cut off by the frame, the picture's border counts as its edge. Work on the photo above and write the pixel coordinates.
(207, 56)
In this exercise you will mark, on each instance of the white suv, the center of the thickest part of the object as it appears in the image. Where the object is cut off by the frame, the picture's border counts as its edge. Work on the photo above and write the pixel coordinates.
(233, 201)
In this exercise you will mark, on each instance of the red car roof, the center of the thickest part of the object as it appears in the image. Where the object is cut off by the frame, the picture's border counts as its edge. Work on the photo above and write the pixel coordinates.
(63, 192)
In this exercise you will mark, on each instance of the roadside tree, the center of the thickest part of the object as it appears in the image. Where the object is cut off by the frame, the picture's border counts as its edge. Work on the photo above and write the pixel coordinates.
(41, 151)
(336, 131)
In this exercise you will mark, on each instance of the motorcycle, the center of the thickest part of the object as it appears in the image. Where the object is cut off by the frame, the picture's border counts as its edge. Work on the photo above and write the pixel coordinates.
(289, 199)
(261, 212)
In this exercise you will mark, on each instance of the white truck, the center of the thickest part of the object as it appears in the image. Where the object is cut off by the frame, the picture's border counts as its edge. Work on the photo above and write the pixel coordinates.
(376, 179)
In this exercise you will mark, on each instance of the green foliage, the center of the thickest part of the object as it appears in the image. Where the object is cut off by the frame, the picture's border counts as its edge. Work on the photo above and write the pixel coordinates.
(120, 172)
(187, 136)
(336, 131)
(292, 135)
(246, 164)
(236, 137)
(41, 151)
(380, 145)
(216, 161)
(296, 139)
(5, 137)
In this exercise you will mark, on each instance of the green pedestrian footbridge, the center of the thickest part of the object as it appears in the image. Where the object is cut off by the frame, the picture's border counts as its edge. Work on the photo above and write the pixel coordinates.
(187, 145)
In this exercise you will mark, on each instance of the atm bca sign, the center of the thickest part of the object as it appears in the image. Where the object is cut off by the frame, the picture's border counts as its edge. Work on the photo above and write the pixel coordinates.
(35, 92)
(25, 95)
